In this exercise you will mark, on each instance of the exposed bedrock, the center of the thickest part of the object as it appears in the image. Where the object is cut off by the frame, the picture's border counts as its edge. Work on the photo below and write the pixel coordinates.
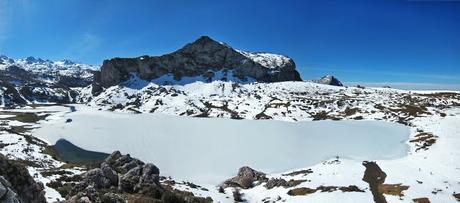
(201, 58)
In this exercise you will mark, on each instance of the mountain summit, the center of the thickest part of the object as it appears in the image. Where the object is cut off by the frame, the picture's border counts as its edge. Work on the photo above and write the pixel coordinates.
(204, 59)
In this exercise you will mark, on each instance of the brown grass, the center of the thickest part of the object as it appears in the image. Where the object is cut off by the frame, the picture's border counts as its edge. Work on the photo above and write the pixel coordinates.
(421, 200)
(301, 172)
(301, 191)
(393, 189)
(423, 140)
(457, 196)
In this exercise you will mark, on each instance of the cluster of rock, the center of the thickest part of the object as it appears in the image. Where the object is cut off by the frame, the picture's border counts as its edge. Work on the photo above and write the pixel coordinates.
(122, 178)
(203, 57)
(16, 185)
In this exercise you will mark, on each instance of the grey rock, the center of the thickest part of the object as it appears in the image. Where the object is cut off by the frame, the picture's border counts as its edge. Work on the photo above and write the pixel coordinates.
(130, 179)
(18, 182)
(122, 163)
(6, 192)
(279, 182)
(96, 178)
(328, 80)
(246, 178)
(200, 58)
(112, 198)
(110, 174)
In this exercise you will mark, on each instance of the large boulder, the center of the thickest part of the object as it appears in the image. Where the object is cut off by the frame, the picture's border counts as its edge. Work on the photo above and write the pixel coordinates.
(7, 193)
(17, 184)
(246, 178)
(202, 58)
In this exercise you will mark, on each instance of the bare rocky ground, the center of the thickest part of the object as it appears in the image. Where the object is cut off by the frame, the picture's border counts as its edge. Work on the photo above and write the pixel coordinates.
(382, 181)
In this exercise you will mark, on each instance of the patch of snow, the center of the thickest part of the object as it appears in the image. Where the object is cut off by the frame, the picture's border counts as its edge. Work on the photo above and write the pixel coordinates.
(267, 60)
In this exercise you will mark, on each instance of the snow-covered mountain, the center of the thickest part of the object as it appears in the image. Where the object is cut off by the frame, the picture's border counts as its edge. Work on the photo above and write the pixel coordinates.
(204, 59)
(32, 80)
(57, 68)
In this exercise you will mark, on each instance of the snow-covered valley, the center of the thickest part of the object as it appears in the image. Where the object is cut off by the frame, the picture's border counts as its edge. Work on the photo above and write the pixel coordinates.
(190, 152)
(412, 136)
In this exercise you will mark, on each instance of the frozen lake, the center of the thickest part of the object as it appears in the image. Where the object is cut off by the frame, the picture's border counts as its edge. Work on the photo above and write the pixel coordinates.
(211, 150)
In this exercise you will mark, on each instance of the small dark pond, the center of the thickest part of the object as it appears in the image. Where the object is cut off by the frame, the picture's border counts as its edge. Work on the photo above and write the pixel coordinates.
(70, 153)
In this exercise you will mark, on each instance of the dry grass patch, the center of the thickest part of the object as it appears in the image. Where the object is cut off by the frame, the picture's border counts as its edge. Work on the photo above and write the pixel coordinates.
(306, 190)
(457, 196)
(301, 191)
(421, 200)
(301, 172)
(424, 140)
(393, 189)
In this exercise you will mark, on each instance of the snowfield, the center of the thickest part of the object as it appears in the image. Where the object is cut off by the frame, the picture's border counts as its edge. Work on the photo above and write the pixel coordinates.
(189, 148)
(413, 136)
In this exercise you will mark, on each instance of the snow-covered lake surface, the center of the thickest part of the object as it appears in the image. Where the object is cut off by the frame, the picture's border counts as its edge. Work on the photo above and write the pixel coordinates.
(209, 151)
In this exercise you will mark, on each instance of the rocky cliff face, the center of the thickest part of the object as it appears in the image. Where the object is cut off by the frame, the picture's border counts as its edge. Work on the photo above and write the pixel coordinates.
(16, 185)
(203, 59)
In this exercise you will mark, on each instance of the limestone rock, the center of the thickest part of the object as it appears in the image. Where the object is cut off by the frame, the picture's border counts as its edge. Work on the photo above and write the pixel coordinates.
(204, 57)
(246, 178)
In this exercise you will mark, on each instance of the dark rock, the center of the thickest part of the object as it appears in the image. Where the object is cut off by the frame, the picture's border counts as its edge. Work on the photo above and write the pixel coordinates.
(200, 58)
(97, 178)
(6, 192)
(130, 179)
(110, 174)
(246, 178)
(279, 182)
(16, 176)
(112, 198)
(375, 177)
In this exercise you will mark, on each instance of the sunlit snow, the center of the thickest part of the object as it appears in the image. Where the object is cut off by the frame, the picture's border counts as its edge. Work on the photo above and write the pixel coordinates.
(211, 150)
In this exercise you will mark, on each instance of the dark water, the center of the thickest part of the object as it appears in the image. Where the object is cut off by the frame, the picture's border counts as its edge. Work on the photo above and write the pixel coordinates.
(70, 153)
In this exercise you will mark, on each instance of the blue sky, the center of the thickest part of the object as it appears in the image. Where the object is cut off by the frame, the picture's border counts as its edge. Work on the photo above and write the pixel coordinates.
(364, 41)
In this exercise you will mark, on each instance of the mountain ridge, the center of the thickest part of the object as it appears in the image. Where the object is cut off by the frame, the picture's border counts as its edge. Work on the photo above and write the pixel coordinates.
(202, 57)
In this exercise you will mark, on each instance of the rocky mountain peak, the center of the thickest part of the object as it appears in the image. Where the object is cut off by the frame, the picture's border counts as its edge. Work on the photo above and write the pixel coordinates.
(204, 40)
(204, 60)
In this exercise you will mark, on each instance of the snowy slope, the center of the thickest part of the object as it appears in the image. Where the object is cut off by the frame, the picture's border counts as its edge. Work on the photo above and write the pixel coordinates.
(31, 80)
(268, 60)
(288, 101)
(38, 65)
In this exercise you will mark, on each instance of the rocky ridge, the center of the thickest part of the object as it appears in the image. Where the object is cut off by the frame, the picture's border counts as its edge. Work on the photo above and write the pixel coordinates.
(205, 58)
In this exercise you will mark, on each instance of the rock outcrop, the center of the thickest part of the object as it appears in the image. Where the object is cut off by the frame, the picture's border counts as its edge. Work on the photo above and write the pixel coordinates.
(246, 178)
(328, 80)
(204, 58)
(121, 178)
(16, 185)
(7, 193)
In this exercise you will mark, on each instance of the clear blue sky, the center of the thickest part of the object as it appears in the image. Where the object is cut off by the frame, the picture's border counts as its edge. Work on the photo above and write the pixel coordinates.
(366, 41)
